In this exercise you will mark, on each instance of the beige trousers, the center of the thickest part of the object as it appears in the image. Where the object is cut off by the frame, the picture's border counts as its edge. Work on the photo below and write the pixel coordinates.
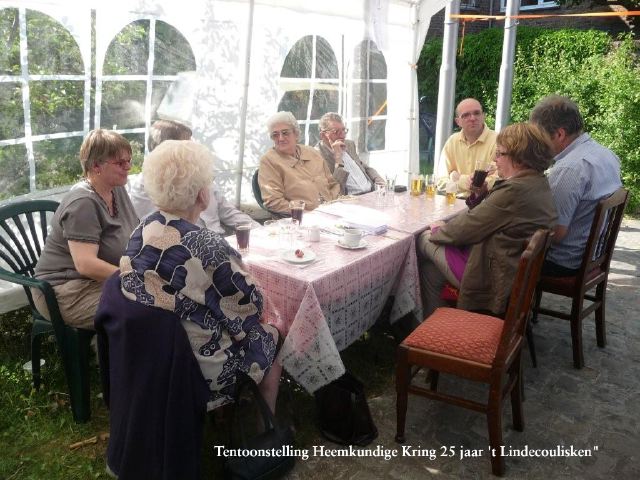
(77, 300)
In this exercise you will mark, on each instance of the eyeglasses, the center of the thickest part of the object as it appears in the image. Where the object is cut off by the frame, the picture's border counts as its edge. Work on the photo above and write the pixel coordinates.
(475, 113)
(121, 163)
(336, 131)
(276, 134)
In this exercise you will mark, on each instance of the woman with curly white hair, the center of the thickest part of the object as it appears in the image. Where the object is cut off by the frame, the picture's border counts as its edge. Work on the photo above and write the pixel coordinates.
(173, 264)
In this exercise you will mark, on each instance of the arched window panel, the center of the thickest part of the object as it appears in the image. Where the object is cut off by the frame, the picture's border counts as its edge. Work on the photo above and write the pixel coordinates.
(324, 100)
(12, 124)
(128, 52)
(66, 169)
(326, 63)
(298, 62)
(172, 51)
(130, 94)
(14, 171)
(377, 99)
(123, 104)
(369, 62)
(310, 79)
(369, 96)
(56, 106)
(296, 102)
(52, 48)
(9, 42)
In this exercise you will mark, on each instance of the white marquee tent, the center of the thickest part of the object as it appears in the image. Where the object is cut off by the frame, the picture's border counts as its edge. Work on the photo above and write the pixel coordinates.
(249, 59)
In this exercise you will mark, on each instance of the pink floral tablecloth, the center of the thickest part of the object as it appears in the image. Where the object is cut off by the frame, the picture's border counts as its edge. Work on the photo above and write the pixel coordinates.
(326, 305)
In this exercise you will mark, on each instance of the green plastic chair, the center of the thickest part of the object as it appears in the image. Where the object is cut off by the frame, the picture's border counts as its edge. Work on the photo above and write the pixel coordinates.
(23, 231)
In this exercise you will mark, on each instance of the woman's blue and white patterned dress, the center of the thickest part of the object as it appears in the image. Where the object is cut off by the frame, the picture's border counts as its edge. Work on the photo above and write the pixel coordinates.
(172, 264)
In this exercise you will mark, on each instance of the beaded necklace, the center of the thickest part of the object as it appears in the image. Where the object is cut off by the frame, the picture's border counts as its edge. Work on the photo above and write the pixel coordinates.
(113, 212)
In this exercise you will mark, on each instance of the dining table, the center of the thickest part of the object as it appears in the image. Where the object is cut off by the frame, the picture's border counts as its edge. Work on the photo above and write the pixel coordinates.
(328, 298)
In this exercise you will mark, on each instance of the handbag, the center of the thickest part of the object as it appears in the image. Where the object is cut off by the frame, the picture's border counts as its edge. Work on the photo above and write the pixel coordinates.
(260, 463)
(343, 412)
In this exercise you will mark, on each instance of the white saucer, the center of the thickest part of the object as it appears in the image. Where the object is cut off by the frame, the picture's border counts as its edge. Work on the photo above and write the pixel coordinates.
(290, 256)
(362, 244)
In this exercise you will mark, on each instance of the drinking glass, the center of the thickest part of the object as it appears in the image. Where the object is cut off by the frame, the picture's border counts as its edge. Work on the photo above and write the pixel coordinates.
(430, 186)
(297, 208)
(271, 226)
(288, 229)
(381, 193)
(390, 196)
(452, 190)
(416, 185)
(242, 236)
(479, 174)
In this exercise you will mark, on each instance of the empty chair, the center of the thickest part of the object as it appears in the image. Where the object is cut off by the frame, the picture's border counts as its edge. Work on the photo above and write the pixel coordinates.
(477, 347)
(593, 273)
(24, 229)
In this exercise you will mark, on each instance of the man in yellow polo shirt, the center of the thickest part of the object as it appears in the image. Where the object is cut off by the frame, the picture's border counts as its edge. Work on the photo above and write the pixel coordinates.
(474, 142)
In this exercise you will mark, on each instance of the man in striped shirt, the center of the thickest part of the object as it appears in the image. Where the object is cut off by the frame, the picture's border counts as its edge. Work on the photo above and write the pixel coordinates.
(584, 172)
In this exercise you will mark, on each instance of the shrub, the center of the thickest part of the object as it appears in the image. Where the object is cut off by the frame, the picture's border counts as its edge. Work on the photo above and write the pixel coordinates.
(600, 75)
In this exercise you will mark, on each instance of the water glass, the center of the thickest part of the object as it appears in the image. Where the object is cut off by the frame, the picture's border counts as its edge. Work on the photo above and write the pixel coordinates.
(288, 231)
(381, 193)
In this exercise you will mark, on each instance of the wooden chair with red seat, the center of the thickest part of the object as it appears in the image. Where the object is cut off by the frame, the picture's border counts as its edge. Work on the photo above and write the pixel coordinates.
(593, 273)
(450, 295)
(476, 347)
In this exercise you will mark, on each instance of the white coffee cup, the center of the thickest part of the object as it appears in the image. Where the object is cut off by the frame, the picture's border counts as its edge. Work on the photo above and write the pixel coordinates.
(352, 237)
(314, 234)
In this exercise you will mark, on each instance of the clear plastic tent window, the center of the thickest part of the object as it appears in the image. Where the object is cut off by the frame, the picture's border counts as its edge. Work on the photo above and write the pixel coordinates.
(223, 67)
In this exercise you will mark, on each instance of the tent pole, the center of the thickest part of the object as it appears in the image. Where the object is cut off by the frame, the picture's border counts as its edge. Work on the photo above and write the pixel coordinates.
(243, 109)
(447, 82)
(505, 86)
(414, 156)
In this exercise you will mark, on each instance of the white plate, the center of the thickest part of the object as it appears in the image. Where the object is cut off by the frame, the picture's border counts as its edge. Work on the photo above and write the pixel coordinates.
(362, 244)
(290, 256)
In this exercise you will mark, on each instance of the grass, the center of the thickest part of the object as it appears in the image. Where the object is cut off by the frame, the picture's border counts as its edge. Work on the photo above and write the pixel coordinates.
(37, 428)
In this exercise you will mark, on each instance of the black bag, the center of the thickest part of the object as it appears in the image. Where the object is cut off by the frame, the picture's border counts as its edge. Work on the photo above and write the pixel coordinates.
(343, 413)
(275, 436)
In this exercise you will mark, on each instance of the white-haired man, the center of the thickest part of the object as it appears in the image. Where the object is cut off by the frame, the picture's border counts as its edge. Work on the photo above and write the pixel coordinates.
(354, 176)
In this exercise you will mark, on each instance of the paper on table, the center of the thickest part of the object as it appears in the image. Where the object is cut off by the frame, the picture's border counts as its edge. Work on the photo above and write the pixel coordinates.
(356, 216)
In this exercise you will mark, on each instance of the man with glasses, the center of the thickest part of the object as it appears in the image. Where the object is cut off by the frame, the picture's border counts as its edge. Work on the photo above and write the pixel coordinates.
(474, 145)
(354, 176)
(218, 215)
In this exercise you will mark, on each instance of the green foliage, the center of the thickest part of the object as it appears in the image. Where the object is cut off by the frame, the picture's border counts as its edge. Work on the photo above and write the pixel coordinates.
(601, 75)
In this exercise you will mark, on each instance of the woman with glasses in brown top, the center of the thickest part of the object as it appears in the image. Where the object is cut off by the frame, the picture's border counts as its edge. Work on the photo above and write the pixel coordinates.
(89, 231)
(290, 171)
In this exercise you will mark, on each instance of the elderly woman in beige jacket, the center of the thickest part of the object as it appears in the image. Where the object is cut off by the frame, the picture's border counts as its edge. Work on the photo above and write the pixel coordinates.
(478, 250)
(290, 171)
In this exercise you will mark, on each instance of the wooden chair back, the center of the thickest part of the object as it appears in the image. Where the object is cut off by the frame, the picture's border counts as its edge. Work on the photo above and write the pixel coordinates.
(522, 294)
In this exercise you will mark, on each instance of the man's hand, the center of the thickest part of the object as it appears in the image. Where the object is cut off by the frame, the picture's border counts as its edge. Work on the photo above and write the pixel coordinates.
(338, 147)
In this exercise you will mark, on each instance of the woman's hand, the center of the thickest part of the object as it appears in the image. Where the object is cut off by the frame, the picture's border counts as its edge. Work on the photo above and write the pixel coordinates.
(436, 225)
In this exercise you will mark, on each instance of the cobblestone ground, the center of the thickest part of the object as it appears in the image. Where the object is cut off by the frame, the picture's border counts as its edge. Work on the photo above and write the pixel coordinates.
(595, 409)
